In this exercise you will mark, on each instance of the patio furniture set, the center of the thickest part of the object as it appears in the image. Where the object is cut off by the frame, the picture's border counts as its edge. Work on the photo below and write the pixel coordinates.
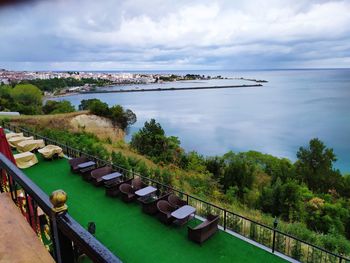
(166, 206)
(25, 146)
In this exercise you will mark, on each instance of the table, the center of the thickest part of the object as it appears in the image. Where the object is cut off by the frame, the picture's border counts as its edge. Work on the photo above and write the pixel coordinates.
(30, 145)
(183, 213)
(86, 167)
(86, 164)
(25, 160)
(111, 176)
(146, 191)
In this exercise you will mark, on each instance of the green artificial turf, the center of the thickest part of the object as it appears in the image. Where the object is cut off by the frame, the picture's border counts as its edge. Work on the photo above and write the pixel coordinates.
(132, 235)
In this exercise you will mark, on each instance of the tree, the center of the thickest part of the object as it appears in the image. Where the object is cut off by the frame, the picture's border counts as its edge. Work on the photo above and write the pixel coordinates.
(315, 167)
(28, 98)
(86, 104)
(54, 107)
(6, 101)
(122, 118)
(238, 172)
(152, 141)
(99, 108)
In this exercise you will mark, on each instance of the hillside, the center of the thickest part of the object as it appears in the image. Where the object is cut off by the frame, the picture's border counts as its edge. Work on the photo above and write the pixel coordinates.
(248, 183)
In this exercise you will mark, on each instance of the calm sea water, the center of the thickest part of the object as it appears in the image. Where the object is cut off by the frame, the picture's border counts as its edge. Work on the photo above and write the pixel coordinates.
(292, 108)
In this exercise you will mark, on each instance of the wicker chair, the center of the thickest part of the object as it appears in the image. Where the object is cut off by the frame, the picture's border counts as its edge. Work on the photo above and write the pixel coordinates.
(175, 201)
(137, 183)
(97, 174)
(112, 188)
(165, 210)
(150, 206)
(75, 162)
(205, 230)
(127, 192)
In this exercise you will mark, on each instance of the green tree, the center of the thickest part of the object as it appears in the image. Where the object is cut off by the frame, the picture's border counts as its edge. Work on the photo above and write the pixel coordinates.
(86, 104)
(152, 141)
(6, 101)
(315, 167)
(54, 107)
(28, 98)
(238, 172)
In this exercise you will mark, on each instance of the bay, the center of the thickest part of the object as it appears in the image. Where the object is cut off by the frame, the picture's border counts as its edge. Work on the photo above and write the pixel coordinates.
(292, 108)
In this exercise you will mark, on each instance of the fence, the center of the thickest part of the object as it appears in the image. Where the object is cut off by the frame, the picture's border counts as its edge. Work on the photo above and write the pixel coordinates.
(267, 236)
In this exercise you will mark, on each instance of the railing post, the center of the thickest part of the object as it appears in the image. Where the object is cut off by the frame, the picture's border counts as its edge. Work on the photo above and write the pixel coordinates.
(273, 240)
(275, 224)
(225, 218)
(63, 245)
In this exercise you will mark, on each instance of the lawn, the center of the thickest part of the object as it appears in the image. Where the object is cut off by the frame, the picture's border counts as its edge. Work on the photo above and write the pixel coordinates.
(132, 235)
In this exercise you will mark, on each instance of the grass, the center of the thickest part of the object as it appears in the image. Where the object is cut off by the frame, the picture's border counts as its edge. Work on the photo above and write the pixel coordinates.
(132, 235)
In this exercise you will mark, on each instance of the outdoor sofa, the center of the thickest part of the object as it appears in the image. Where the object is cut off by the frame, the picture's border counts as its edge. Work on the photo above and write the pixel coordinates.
(204, 230)
(75, 162)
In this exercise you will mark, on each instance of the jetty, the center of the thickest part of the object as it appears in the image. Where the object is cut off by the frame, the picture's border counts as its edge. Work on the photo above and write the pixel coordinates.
(169, 89)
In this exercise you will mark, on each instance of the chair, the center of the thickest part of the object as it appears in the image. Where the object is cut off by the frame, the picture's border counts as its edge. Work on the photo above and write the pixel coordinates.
(175, 201)
(112, 188)
(128, 190)
(150, 206)
(137, 183)
(97, 174)
(75, 162)
(165, 210)
(204, 230)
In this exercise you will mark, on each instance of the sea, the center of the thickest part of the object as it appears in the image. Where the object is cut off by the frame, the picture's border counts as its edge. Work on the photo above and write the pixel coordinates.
(277, 118)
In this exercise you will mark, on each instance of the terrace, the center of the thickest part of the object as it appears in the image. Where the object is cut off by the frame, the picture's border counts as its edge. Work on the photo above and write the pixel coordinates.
(124, 230)
(131, 234)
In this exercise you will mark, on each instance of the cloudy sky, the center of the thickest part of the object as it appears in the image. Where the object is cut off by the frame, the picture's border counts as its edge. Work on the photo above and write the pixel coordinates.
(181, 34)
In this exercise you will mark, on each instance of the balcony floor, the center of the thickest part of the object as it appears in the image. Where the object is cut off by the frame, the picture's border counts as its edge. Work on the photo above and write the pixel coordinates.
(132, 235)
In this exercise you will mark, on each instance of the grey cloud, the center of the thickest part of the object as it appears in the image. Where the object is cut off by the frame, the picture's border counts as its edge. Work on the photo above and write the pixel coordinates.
(211, 34)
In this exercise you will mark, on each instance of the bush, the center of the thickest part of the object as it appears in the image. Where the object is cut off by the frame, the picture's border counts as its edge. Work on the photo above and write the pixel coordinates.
(118, 116)
(54, 107)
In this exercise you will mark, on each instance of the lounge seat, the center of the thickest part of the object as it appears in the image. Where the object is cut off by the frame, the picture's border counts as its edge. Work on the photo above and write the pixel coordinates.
(150, 206)
(97, 174)
(204, 230)
(165, 210)
(75, 162)
(176, 201)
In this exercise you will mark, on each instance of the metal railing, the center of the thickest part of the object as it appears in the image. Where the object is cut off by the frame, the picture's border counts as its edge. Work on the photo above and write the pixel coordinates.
(64, 238)
(267, 236)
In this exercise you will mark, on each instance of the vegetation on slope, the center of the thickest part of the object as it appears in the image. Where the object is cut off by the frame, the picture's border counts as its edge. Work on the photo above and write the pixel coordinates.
(256, 185)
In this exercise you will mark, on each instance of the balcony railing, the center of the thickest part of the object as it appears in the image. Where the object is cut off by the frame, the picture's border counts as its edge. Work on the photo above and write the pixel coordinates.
(65, 239)
(271, 238)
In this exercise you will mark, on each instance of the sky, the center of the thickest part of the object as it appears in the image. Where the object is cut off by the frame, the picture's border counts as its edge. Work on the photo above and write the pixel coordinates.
(174, 35)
